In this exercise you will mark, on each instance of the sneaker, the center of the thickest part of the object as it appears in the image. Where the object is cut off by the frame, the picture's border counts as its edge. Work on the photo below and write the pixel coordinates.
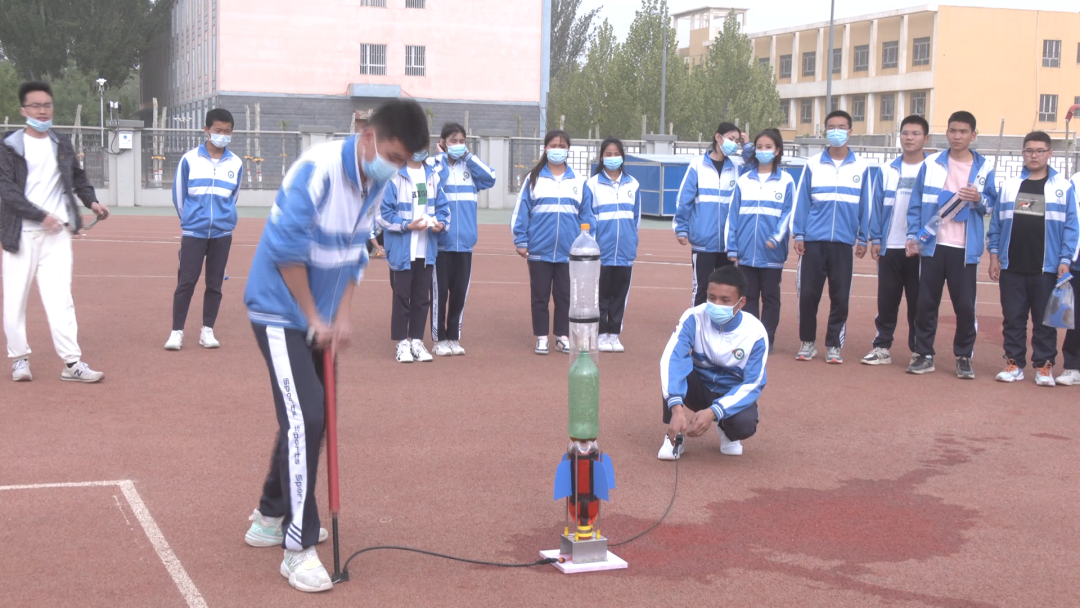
(404, 352)
(20, 372)
(1011, 373)
(616, 346)
(604, 342)
(806, 352)
(878, 356)
(914, 358)
(176, 340)
(1044, 376)
(541, 346)
(207, 339)
(727, 446)
(305, 572)
(963, 368)
(1069, 377)
(420, 352)
(456, 348)
(832, 355)
(562, 344)
(667, 450)
(920, 364)
(80, 372)
(267, 531)
(442, 349)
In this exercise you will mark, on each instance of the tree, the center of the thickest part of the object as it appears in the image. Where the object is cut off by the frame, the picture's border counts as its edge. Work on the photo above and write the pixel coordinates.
(584, 92)
(569, 35)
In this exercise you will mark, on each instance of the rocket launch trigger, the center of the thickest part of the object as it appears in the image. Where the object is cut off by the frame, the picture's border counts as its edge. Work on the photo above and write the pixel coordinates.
(601, 483)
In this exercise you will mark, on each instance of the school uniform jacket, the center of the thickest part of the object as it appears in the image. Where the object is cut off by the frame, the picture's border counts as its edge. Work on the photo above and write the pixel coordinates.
(924, 202)
(1075, 268)
(548, 218)
(462, 180)
(833, 203)
(617, 210)
(320, 219)
(884, 201)
(761, 211)
(704, 198)
(1061, 224)
(205, 193)
(729, 359)
(398, 211)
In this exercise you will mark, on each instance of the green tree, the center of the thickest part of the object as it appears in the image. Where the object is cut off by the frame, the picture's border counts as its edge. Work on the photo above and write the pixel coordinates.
(9, 93)
(584, 95)
(569, 36)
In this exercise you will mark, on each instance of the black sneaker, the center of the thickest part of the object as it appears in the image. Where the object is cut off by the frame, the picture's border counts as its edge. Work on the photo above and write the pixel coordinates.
(963, 368)
(921, 364)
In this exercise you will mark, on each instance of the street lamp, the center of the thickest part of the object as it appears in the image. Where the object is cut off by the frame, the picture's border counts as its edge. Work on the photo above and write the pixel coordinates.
(101, 82)
(829, 63)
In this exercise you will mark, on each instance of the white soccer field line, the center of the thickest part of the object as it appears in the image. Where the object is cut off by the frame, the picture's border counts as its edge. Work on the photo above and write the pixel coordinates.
(164, 552)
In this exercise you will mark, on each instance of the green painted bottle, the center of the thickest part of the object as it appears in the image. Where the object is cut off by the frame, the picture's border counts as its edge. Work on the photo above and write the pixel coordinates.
(584, 391)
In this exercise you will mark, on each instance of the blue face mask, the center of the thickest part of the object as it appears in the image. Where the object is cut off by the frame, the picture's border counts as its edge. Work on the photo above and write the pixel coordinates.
(420, 156)
(837, 137)
(720, 314)
(612, 163)
(456, 151)
(220, 140)
(765, 156)
(378, 169)
(728, 147)
(40, 126)
(557, 156)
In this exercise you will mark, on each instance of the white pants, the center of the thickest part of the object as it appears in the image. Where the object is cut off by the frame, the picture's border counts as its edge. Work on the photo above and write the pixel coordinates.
(47, 257)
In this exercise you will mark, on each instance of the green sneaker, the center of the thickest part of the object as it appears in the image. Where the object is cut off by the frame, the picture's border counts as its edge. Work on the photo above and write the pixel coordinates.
(266, 531)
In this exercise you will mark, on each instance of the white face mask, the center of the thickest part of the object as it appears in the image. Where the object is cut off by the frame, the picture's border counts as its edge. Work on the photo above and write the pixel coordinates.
(220, 140)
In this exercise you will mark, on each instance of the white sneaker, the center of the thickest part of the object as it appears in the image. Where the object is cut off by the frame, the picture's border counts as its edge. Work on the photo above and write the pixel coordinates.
(667, 450)
(541, 346)
(207, 339)
(1044, 376)
(1011, 373)
(176, 340)
(616, 346)
(20, 372)
(807, 351)
(562, 344)
(404, 352)
(604, 343)
(456, 347)
(305, 572)
(420, 352)
(81, 372)
(877, 356)
(442, 349)
(727, 446)
(267, 531)
(1069, 377)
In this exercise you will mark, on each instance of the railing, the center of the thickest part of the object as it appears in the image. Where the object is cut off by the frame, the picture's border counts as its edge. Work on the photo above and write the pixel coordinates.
(525, 153)
(697, 148)
(92, 157)
(1010, 163)
(267, 155)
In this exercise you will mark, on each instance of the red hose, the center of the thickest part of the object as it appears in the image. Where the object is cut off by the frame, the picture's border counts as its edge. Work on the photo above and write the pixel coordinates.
(330, 390)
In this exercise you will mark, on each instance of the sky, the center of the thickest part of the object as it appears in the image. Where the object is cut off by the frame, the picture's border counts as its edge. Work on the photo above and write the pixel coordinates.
(776, 14)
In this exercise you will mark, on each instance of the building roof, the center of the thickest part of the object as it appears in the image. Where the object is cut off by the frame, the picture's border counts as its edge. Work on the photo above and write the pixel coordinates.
(708, 8)
(813, 26)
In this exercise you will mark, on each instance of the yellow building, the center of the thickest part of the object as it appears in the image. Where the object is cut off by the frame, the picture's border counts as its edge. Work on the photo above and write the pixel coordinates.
(1020, 65)
(700, 26)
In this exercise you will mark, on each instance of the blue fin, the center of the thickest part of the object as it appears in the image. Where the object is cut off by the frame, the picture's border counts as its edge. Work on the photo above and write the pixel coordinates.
(610, 470)
(562, 480)
(599, 481)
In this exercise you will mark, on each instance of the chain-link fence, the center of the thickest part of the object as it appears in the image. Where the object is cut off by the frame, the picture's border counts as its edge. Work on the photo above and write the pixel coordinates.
(525, 152)
(267, 155)
(92, 157)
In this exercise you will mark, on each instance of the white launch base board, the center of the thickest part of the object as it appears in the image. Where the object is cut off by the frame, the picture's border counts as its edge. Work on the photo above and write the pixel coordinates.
(613, 562)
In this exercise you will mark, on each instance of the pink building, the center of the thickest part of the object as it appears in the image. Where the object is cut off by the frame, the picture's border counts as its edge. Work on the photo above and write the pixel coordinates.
(315, 64)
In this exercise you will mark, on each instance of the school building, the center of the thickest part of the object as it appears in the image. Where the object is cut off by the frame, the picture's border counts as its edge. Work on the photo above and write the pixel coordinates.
(1020, 65)
(317, 64)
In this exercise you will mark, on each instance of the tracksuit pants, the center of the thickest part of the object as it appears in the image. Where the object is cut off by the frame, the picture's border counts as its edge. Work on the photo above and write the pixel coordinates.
(48, 258)
(898, 278)
(763, 296)
(550, 280)
(1024, 294)
(825, 260)
(296, 375)
(453, 273)
(1070, 349)
(947, 265)
(704, 263)
(698, 397)
(614, 292)
(193, 252)
(412, 301)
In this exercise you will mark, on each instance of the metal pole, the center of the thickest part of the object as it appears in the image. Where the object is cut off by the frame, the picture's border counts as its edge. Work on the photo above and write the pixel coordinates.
(102, 117)
(663, 79)
(828, 64)
(330, 396)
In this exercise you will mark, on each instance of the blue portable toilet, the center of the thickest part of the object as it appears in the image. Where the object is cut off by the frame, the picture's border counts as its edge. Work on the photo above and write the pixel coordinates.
(659, 176)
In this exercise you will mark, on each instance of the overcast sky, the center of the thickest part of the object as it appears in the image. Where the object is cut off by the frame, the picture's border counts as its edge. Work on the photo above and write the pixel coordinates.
(775, 14)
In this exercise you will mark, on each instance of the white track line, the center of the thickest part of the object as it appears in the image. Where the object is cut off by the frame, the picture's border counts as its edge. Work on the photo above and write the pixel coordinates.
(164, 552)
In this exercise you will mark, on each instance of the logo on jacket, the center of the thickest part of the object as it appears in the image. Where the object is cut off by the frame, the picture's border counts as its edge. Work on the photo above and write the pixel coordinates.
(575, 189)
(1058, 193)
(232, 174)
(466, 176)
(856, 179)
(982, 180)
(739, 354)
(779, 196)
(731, 184)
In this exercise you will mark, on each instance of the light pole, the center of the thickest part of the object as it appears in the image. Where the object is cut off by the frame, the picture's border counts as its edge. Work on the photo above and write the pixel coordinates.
(101, 82)
(828, 64)
(663, 78)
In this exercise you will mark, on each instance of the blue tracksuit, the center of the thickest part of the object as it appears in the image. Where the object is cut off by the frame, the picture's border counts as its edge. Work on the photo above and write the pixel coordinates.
(205, 193)
(462, 180)
(1061, 224)
(924, 202)
(704, 197)
(548, 218)
(761, 211)
(834, 201)
(884, 201)
(398, 211)
(617, 209)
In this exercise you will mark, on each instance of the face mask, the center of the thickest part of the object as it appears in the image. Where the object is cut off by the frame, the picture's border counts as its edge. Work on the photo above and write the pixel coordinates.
(378, 169)
(728, 147)
(837, 137)
(557, 156)
(612, 163)
(719, 314)
(420, 156)
(765, 156)
(456, 151)
(40, 126)
(219, 140)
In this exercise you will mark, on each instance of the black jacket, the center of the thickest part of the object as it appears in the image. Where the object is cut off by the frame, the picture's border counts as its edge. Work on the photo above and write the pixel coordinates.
(14, 207)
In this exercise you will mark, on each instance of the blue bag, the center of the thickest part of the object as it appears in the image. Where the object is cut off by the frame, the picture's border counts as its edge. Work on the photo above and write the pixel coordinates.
(1061, 309)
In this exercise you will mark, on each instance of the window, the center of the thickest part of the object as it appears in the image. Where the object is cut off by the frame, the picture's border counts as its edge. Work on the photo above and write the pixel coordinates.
(1051, 53)
(888, 106)
(414, 61)
(1048, 108)
(785, 109)
(890, 55)
(373, 59)
(412, 3)
(809, 61)
(381, 3)
(858, 108)
(1078, 52)
(835, 105)
(862, 58)
(837, 60)
(922, 52)
(763, 62)
(918, 104)
(785, 66)
(806, 111)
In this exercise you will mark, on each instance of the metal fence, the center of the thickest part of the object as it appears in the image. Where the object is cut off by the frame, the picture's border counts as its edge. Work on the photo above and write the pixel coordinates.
(267, 155)
(697, 148)
(525, 153)
(1010, 163)
(92, 157)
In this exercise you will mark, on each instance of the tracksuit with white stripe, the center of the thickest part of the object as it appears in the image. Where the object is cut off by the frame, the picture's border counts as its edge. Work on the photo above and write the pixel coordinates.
(1026, 293)
(703, 201)
(546, 220)
(617, 209)
(1070, 348)
(723, 368)
(321, 219)
(959, 267)
(760, 213)
(461, 180)
(832, 213)
(204, 193)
